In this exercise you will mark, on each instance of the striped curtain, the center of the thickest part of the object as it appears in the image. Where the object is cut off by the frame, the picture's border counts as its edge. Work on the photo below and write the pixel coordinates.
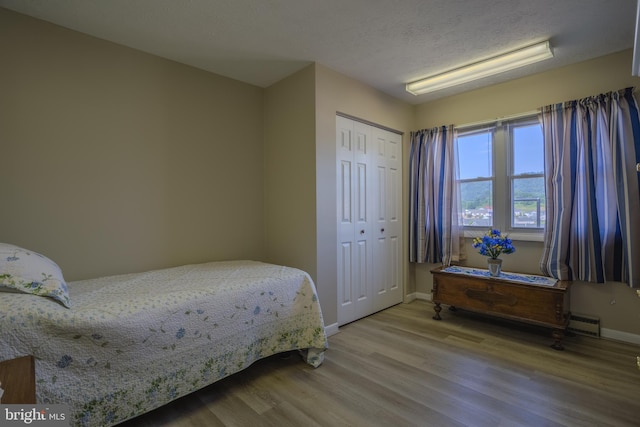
(435, 234)
(592, 230)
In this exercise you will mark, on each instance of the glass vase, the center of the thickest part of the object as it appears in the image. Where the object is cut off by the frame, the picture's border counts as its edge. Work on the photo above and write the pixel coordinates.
(495, 266)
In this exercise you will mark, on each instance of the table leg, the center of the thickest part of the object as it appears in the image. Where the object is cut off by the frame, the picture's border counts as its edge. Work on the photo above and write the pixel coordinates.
(437, 309)
(558, 336)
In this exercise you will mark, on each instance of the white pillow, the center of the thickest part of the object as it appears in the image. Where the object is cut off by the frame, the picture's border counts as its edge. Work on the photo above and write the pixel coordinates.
(27, 271)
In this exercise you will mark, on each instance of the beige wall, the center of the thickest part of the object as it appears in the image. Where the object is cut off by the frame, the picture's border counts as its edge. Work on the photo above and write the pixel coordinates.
(338, 93)
(616, 304)
(290, 173)
(300, 166)
(115, 161)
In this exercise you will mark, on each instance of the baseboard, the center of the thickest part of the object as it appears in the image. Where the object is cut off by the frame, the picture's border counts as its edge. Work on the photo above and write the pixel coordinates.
(409, 298)
(416, 296)
(612, 334)
(423, 296)
(331, 329)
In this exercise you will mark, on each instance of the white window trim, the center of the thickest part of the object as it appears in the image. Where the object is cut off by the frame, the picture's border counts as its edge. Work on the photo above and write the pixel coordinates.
(502, 159)
(535, 236)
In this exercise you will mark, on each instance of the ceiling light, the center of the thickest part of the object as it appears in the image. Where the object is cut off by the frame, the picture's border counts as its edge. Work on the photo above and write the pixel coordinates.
(488, 67)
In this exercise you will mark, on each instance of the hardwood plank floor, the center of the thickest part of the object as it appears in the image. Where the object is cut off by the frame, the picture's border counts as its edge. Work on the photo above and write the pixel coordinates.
(401, 368)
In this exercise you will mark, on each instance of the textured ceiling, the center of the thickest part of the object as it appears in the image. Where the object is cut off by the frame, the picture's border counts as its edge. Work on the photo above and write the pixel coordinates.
(383, 43)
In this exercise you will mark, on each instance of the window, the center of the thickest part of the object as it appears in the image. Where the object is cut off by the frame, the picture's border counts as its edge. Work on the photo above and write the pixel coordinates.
(475, 163)
(527, 176)
(501, 175)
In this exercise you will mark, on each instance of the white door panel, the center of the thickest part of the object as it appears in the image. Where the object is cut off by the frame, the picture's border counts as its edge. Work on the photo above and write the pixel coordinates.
(388, 225)
(345, 273)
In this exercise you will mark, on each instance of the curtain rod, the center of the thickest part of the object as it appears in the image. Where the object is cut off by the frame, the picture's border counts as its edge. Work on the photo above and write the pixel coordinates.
(498, 119)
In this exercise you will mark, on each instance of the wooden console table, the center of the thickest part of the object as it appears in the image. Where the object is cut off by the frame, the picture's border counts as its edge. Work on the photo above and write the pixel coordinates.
(18, 380)
(544, 305)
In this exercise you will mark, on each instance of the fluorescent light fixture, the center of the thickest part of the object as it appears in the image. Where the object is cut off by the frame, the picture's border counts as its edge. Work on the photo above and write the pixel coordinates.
(488, 67)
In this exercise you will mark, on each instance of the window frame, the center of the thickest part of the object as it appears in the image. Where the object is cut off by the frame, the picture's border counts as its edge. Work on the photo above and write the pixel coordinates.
(511, 177)
(503, 177)
(472, 131)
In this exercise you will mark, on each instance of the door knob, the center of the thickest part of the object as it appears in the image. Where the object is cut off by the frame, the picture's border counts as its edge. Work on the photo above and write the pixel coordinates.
(361, 231)
(382, 230)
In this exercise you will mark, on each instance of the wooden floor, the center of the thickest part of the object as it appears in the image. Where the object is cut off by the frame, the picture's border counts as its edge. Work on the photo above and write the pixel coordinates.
(401, 368)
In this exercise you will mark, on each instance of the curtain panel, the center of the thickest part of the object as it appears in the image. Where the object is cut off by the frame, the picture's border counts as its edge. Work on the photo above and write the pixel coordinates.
(435, 234)
(592, 147)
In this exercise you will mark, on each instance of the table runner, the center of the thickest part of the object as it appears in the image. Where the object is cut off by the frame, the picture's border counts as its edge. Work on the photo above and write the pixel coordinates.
(516, 277)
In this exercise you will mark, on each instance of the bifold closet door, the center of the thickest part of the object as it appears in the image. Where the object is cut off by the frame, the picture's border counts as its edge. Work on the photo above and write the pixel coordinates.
(355, 254)
(387, 225)
(368, 213)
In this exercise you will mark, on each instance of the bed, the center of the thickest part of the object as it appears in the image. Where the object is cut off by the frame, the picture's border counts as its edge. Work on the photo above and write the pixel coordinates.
(120, 346)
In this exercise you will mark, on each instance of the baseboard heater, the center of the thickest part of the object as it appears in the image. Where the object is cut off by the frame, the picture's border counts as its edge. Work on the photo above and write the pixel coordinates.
(583, 324)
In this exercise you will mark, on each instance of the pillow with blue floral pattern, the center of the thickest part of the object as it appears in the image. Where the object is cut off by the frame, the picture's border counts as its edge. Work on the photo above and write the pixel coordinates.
(27, 271)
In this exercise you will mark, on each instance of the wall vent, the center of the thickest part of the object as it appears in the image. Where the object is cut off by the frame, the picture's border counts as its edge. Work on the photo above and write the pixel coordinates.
(583, 324)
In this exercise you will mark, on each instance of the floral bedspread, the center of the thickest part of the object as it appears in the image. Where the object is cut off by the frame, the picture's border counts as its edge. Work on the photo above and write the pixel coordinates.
(134, 342)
